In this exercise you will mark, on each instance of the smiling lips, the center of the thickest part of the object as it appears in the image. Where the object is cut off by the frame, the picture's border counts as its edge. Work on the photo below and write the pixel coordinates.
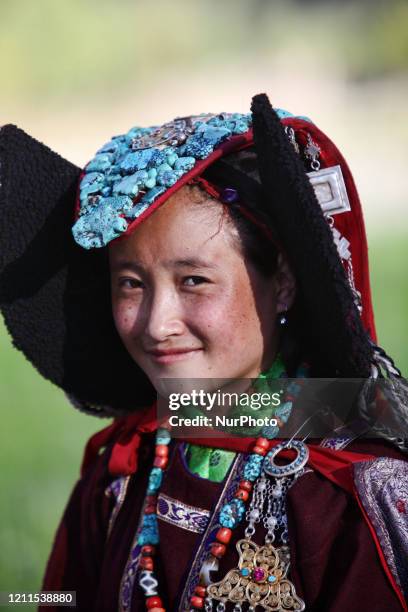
(172, 355)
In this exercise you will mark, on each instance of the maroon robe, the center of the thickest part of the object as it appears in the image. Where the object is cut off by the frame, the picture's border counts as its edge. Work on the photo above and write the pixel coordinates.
(335, 564)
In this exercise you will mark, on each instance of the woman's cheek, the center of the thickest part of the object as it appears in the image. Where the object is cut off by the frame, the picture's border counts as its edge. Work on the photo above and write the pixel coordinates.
(216, 319)
(124, 316)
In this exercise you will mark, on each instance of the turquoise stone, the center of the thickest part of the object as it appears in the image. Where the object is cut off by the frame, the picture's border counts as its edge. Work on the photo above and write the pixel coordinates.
(92, 178)
(270, 431)
(113, 178)
(94, 183)
(240, 127)
(92, 204)
(129, 185)
(134, 132)
(185, 164)
(252, 468)
(232, 513)
(214, 135)
(164, 168)
(136, 161)
(181, 150)
(284, 410)
(113, 169)
(171, 158)
(153, 194)
(121, 152)
(167, 178)
(90, 189)
(100, 162)
(245, 571)
(137, 210)
(120, 203)
(271, 578)
(159, 157)
(150, 182)
(200, 124)
(150, 530)
(199, 148)
(163, 436)
(283, 413)
(215, 121)
(155, 479)
(98, 227)
(141, 176)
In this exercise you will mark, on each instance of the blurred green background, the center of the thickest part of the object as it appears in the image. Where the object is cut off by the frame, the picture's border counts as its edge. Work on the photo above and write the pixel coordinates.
(75, 72)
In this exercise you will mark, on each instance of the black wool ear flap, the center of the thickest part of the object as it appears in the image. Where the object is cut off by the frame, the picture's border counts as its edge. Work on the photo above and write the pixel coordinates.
(37, 196)
(291, 205)
(38, 189)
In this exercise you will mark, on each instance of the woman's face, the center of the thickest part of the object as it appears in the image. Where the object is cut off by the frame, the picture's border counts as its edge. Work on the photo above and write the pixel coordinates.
(186, 303)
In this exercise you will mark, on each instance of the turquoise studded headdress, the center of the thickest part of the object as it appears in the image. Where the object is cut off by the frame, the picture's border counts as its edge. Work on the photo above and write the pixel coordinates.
(133, 174)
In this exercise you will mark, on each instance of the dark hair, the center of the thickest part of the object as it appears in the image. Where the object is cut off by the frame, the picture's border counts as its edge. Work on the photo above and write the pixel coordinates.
(239, 170)
(260, 250)
(252, 241)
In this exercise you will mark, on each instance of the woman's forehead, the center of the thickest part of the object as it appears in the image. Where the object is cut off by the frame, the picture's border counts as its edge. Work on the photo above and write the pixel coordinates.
(190, 225)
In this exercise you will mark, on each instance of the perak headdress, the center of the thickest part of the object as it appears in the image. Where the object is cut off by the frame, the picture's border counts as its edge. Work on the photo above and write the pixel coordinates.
(55, 220)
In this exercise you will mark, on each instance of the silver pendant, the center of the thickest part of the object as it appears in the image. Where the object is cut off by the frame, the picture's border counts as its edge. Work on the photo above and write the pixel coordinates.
(330, 190)
(260, 579)
(288, 469)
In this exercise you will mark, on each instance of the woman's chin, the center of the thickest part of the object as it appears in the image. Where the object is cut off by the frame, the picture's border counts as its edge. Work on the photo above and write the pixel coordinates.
(186, 379)
(183, 376)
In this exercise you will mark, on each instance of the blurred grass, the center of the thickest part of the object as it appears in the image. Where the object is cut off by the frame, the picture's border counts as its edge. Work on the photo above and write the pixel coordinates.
(388, 255)
(43, 437)
(41, 445)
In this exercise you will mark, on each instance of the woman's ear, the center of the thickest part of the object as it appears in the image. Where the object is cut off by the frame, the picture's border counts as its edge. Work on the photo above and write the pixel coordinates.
(285, 285)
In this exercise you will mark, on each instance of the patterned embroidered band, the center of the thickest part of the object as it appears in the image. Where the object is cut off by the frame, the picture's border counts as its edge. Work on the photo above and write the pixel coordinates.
(182, 515)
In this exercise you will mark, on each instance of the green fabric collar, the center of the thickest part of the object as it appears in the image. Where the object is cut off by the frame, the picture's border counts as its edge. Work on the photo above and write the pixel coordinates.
(213, 463)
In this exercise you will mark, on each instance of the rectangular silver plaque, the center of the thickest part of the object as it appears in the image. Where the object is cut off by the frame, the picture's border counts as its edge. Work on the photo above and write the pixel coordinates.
(330, 190)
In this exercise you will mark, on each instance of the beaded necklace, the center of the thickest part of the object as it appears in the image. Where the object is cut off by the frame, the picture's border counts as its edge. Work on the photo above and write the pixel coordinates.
(260, 578)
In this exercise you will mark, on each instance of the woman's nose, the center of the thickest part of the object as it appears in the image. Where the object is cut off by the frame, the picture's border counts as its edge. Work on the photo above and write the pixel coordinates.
(164, 316)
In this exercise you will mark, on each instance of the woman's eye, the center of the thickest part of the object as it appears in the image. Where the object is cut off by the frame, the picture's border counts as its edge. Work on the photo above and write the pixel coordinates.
(193, 281)
(130, 283)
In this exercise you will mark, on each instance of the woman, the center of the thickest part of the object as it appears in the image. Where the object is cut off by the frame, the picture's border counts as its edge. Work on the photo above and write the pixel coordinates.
(226, 246)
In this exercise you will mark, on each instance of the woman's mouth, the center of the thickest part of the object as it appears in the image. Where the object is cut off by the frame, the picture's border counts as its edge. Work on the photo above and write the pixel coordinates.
(172, 355)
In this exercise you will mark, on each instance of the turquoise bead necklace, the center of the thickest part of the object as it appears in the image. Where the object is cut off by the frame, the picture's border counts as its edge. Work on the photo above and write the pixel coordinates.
(231, 515)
